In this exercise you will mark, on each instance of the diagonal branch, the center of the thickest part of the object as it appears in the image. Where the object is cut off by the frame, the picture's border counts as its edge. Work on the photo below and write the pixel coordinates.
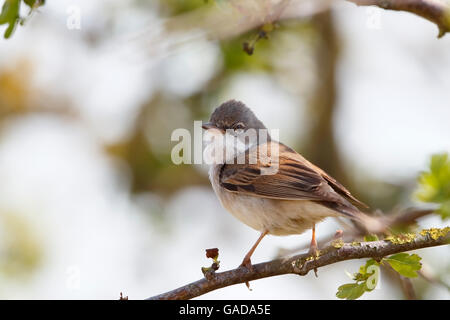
(302, 264)
(437, 11)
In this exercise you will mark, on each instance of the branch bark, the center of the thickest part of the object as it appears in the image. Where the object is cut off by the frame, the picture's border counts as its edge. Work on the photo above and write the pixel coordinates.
(436, 11)
(303, 263)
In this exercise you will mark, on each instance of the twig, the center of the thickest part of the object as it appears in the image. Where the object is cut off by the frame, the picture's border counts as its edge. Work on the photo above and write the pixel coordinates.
(433, 10)
(429, 276)
(407, 287)
(235, 17)
(404, 283)
(409, 216)
(302, 264)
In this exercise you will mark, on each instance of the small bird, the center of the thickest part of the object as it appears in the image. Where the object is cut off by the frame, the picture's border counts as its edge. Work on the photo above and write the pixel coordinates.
(290, 201)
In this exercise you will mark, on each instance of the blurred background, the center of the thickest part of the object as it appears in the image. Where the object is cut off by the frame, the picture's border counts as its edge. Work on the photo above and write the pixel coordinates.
(90, 92)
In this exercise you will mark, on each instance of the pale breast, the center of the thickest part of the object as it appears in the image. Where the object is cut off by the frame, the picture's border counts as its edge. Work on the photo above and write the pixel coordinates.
(278, 217)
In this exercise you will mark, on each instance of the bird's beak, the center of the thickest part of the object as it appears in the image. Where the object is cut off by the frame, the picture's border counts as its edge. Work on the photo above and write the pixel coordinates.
(208, 125)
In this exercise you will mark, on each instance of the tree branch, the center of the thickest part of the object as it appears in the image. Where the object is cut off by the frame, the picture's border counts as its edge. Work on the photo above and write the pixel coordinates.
(435, 11)
(303, 263)
(401, 219)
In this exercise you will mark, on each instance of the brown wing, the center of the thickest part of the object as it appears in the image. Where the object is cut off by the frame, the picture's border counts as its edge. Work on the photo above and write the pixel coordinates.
(296, 179)
(338, 187)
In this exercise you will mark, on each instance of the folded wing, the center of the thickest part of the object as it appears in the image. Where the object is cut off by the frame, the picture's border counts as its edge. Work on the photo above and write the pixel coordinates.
(296, 179)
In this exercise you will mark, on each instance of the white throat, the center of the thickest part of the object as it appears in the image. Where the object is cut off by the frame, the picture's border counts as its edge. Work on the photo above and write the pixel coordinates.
(224, 148)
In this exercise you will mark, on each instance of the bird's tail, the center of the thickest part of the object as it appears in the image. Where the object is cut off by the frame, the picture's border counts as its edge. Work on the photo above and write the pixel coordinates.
(372, 224)
(366, 224)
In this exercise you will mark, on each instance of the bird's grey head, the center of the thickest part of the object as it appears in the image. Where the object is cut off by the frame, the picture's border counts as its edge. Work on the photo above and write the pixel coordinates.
(233, 115)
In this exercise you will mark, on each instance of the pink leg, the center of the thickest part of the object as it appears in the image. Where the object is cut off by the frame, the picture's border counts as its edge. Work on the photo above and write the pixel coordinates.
(247, 262)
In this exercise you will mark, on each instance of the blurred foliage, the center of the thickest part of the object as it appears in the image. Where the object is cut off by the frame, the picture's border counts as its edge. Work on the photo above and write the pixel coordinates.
(15, 88)
(263, 33)
(434, 185)
(10, 13)
(19, 97)
(235, 60)
(152, 170)
(20, 250)
(319, 52)
(151, 167)
(174, 7)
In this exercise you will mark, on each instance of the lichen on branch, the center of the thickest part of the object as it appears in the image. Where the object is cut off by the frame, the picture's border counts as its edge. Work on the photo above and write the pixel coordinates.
(303, 263)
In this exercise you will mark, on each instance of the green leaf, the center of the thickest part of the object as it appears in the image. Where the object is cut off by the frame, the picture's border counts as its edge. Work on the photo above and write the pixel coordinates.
(405, 264)
(351, 291)
(369, 263)
(444, 210)
(32, 3)
(367, 273)
(434, 185)
(10, 16)
(10, 13)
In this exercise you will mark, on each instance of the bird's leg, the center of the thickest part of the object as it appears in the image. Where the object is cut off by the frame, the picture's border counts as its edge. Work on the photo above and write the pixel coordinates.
(338, 235)
(247, 262)
(313, 248)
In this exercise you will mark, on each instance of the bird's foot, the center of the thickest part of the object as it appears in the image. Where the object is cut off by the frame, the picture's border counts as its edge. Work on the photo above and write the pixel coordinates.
(314, 252)
(314, 247)
(247, 263)
(338, 235)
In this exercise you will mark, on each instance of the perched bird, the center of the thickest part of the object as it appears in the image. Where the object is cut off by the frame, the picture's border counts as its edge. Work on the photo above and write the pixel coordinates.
(289, 201)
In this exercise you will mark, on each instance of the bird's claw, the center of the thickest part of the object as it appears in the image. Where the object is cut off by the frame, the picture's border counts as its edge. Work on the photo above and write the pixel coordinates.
(314, 252)
(247, 263)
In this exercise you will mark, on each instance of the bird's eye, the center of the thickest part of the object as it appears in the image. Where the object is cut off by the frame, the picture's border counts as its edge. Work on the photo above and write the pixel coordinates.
(239, 126)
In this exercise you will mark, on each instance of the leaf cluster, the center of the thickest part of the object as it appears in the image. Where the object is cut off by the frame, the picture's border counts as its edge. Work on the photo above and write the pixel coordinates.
(367, 278)
(434, 184)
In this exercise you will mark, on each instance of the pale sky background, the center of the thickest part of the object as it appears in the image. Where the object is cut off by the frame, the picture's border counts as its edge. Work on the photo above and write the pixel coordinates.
(394, 96)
